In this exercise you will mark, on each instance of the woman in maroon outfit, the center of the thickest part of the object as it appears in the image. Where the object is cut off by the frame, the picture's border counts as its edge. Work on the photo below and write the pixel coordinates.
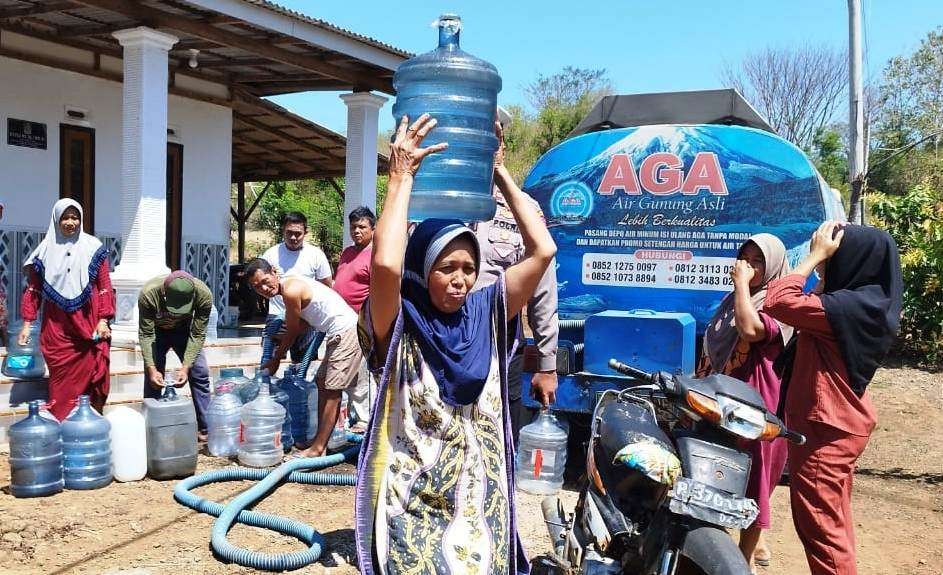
(69, 280)
(743, 341)
(845, 329)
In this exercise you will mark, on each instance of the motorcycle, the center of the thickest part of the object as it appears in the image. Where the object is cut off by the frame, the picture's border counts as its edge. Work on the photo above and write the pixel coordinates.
(666, 474)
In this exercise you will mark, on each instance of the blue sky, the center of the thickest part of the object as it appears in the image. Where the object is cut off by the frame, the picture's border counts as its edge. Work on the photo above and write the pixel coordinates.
(644, 45)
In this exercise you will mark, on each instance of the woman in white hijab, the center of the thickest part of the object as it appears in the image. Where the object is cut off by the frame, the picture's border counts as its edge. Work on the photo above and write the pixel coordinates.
(69, 281)
(743, 341)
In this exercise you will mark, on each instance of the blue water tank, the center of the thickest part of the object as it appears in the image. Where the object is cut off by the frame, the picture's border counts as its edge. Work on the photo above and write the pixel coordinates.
(86, 447)
(35, 455)
(646, 339)
(461, 92)
(652, 216)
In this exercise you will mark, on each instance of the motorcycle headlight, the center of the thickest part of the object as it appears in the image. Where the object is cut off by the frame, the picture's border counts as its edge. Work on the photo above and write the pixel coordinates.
(741, 419)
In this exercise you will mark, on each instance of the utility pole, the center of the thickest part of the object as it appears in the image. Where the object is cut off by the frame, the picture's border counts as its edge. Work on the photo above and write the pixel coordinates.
(856, 139)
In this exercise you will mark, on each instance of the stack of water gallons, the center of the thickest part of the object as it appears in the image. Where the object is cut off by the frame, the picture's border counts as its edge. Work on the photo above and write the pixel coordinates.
(461, 92)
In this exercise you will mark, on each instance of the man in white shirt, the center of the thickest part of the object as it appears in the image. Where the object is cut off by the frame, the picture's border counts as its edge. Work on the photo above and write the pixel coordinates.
(295, 257)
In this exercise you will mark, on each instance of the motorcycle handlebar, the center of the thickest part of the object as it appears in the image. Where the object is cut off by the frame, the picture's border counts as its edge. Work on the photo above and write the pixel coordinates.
(630, 371)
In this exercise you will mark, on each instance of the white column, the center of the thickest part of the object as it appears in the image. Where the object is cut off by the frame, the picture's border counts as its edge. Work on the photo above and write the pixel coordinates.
(360, 189)
(144, 171)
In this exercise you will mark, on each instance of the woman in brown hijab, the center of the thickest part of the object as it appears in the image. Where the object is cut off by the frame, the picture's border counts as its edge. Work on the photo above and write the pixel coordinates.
(742, 341)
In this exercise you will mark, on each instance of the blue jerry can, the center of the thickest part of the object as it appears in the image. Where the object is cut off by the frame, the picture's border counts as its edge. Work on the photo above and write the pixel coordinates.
(646, 339)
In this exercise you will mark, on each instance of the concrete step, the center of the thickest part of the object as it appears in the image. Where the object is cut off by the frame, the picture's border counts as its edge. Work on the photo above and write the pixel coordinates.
(127, 377)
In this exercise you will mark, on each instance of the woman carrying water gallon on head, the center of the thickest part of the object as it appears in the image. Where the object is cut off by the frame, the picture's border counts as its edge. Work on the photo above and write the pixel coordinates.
(844, 331)
(743, 341)
(435, 492)
(69, 280)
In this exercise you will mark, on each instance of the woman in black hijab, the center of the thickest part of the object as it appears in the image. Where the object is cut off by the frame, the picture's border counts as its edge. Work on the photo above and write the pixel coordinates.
(844, 330)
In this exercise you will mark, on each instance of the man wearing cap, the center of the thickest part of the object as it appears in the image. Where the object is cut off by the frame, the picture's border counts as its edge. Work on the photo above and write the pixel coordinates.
(174, 312)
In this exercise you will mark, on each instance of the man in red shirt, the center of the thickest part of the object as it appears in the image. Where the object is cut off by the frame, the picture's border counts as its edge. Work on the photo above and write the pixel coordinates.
(352, 282)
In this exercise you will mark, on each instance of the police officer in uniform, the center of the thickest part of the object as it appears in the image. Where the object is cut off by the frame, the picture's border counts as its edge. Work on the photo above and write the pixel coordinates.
(502, 246)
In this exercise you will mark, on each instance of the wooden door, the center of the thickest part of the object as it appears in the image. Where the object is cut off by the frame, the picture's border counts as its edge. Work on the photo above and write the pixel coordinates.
(174, 204)
(77, 169)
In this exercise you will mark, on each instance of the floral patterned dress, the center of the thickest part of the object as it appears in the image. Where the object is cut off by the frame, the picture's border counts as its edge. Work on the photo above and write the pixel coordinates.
(435, 488)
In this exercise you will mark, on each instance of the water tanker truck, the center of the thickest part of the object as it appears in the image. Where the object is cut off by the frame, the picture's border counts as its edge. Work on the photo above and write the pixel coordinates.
(648, 201)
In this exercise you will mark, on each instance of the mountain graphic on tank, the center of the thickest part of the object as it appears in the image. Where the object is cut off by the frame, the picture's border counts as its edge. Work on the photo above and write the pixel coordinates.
(651, 217)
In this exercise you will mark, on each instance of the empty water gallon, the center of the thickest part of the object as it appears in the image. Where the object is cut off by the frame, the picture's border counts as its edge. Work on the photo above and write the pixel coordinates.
(222, 420)
(23, 361)
(461, 92)
(171, 435)
(86, 448)
(312, 404)
(281, 397)
(297, 389)
(128, 443)
(541, 455)
(260, 436)
(338, 437)
(35, 455)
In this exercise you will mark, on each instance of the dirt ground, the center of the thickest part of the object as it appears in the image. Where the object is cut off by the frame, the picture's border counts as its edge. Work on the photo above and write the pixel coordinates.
(137, 528)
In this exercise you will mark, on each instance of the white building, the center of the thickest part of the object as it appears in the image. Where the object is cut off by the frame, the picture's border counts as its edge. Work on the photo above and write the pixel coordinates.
(147, 112)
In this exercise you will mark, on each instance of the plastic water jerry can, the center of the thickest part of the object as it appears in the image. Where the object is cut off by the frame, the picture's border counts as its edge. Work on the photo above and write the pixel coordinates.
(171, 435)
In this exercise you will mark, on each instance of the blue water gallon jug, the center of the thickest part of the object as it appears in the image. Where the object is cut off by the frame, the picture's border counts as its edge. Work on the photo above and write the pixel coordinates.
(86, 447)
(248, 390)
(461, 92)
(23, 361)
(35, 455)
(234, 377)
(281, 397)
(297, 389)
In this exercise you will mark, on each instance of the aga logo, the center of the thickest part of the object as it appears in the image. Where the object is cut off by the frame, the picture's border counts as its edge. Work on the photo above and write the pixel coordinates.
(571, 203)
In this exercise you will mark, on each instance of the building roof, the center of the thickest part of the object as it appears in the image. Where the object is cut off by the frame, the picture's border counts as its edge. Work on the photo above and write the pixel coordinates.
(270, 143)
(254, 45)
(247, 49)
(692, 107)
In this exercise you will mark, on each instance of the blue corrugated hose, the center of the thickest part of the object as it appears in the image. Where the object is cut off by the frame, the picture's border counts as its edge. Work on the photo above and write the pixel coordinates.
(295, 471)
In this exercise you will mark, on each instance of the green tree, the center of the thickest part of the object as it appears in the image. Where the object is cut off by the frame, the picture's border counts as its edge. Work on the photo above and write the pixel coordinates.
(561, 100)
(915, 220)
(910, 109)
(829, 154)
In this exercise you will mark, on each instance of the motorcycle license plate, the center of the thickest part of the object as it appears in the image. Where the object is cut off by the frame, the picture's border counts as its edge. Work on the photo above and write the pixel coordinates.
(695, 499)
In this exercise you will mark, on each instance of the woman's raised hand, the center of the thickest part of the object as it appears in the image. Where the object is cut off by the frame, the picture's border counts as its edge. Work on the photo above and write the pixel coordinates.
(825, 240)
(502, 149)
(406, 153)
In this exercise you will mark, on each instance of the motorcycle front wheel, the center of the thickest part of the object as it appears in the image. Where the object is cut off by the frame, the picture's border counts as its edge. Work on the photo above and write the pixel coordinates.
(710, 551)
